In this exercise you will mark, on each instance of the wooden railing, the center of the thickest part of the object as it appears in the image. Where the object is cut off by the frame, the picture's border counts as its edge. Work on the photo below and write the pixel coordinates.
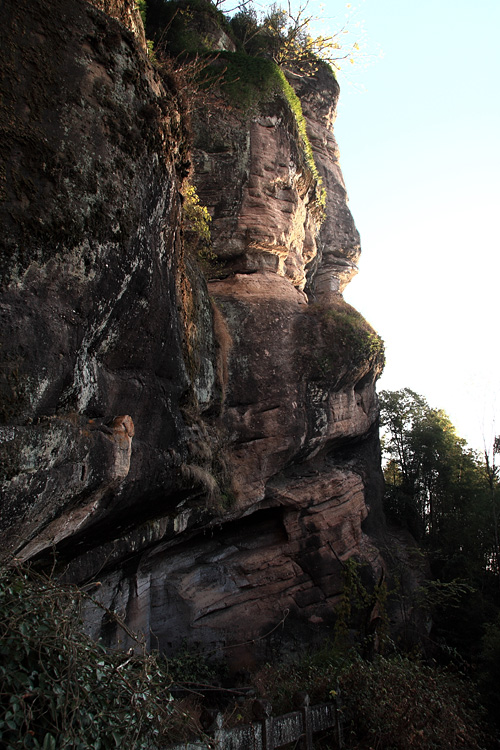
(270, 733)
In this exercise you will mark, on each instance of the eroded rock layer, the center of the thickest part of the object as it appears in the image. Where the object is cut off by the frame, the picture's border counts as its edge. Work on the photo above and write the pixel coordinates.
(194, 428)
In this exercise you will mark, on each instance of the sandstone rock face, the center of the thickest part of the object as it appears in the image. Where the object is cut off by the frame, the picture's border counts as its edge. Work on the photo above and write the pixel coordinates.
(89, 270)
(203, 445)
(267, 219)
(338, 241)
(127, 12)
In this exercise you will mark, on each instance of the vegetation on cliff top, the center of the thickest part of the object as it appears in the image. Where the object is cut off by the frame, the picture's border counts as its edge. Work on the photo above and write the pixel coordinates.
(286, 35)
(253, 71)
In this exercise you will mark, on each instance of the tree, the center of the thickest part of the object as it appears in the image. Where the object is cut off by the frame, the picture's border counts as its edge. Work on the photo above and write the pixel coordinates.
(287, 37)
(492, 476)
(238, 6)
(446, 495)
(436, 485)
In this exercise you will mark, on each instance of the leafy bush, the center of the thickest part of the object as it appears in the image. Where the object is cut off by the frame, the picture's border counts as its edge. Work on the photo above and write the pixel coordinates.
(190, 665)
(286, 36)
(399, 704)
(141, 6)
(181, 26)
(60, 689)
(356, 333)
(195, 217)
(344, 342)
(249, 80)
(315, 673)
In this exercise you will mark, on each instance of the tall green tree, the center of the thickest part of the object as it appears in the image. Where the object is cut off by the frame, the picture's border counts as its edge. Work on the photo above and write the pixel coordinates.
(448, 496)
(444, 492)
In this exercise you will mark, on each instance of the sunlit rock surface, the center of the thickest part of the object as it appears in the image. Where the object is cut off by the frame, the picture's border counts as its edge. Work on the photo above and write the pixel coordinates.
(197, 434)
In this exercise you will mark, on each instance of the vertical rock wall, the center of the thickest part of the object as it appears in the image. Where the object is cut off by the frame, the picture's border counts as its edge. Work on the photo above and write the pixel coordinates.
(90, 270)
(203, 443)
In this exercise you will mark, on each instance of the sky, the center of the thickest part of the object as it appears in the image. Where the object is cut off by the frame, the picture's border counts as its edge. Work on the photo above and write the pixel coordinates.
(418, 129)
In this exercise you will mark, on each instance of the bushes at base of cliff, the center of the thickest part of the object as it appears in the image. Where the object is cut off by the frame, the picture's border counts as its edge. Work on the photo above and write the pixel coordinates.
(400, 704)
(60, 689)
(394, 703)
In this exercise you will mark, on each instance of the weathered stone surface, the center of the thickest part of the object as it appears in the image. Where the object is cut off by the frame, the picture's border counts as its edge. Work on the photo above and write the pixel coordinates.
(280, 565)
(267, 218)
(127, 12)
(275, 412)
(92, 273)
(54, 476)
(244, 468)
(338, 242)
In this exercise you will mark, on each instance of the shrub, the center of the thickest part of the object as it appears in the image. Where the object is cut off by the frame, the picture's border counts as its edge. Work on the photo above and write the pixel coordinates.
(195, 217)
(287, 36)
(316, 673)
(182, 26)
(345, 345)
(60, 689)
(399, 704)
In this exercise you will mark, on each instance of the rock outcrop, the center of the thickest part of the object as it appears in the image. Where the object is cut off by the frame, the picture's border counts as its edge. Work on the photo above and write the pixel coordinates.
(244, 468)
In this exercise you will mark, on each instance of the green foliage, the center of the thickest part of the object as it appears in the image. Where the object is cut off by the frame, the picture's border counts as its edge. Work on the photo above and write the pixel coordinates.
(400, 704)
(195, 217)
(189, 665)
(362, 621)
(286, 36)
(353, 603)
(141, 6)
(245, 25)
(435, 595)
(449, 498)
(315, 672)
(357, 334)
(248, 80)
(346, 339)
(196, 228)
(296, 107)
(60, 689)
(432, 475)
(180, 27)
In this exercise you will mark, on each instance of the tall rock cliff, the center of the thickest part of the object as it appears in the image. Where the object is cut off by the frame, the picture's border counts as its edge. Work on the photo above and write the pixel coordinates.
(192, 425)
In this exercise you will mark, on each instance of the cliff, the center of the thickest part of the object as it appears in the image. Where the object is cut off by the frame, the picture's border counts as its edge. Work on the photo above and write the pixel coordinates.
(192, 424)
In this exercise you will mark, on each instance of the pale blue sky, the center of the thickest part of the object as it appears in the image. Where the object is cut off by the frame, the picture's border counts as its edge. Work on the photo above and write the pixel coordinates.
(420, 152)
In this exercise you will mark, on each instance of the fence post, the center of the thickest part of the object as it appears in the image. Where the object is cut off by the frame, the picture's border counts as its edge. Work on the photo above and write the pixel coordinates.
(262, 710)
(302, 701)
(218, 731)
(339, 730)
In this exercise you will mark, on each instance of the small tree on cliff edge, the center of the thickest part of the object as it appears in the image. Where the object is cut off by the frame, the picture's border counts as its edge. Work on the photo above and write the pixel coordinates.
(286, 35)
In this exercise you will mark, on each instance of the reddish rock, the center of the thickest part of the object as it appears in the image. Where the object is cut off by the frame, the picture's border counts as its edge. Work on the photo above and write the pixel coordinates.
(244, 470)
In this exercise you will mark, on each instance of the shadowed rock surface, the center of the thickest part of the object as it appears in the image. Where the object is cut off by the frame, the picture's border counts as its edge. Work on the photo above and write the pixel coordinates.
(195, 430)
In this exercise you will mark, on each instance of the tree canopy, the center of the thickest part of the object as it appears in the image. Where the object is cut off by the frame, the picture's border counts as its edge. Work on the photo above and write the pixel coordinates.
(436, 485)
(287, 36)
(448, 496)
